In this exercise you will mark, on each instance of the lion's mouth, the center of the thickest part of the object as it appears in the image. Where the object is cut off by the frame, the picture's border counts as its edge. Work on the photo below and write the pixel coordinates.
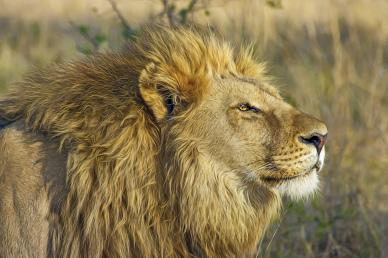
(274, 180)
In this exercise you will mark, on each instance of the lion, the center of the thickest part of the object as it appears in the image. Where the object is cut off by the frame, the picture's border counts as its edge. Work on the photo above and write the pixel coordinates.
(178, 145)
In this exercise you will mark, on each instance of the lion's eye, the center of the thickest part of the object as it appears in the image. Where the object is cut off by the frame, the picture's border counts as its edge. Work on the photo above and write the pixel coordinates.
(243, 107)
(247, 107)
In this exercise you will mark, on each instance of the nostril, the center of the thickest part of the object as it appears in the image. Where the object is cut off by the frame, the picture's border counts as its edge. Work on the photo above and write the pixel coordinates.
(318, 140)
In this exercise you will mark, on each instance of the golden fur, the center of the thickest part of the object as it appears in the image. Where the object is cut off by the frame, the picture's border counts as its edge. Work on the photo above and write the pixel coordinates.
(143, 180)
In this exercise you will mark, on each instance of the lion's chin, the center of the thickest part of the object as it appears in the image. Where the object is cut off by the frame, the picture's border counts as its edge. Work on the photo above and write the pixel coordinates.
(300, 187)
(304, 186)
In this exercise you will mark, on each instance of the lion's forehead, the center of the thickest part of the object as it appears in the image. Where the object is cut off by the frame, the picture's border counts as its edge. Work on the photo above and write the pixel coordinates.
(241, 83)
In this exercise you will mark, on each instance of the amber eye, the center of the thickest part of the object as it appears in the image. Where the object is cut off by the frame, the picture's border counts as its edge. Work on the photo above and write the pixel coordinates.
(247, 107)
(243, 107)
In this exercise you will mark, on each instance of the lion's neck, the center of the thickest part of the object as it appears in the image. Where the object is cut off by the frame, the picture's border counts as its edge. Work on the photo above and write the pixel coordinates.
(222, 213)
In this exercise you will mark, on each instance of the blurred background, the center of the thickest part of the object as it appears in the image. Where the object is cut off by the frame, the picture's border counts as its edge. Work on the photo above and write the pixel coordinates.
(329, 58)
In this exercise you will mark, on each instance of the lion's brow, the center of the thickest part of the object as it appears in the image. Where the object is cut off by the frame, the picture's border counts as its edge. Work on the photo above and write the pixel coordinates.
(257, 84)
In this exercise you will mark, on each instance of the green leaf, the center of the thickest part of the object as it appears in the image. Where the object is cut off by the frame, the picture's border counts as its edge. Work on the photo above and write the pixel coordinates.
(100, 38)
(83, 29)
(183, 14)
(36, 31)
(84, 49)
(274, 3)
(128, 33)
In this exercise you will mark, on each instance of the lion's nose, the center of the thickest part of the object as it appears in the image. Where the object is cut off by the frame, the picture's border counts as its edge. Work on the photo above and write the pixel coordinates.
(316, 139)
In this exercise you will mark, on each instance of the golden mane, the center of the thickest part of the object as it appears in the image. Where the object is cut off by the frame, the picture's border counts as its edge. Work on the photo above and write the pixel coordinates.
(124, 199)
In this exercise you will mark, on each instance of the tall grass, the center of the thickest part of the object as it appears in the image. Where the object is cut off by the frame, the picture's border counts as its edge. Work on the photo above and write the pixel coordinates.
(330, 58)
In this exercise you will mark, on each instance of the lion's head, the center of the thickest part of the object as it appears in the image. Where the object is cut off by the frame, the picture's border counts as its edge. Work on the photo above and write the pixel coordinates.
(181, 144)
(231, 142)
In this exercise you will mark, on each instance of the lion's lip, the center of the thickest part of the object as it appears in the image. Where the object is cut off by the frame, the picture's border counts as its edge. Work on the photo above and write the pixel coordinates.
(270, 179)
(276, 179)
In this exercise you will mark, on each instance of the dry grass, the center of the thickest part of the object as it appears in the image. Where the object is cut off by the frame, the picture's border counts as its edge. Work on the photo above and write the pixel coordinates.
(330, 58)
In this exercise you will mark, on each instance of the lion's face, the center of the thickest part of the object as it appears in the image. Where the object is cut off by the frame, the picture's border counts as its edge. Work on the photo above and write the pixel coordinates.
(247, 126)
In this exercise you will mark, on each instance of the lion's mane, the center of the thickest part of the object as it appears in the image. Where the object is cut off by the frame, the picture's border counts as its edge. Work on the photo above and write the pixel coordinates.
(129, 190)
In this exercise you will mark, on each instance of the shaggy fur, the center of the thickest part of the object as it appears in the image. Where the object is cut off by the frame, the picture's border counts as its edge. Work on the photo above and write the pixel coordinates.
(135, 185)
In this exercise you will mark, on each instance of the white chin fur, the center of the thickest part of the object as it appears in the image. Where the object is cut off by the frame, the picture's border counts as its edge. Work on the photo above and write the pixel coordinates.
(300, 187)
(305, 186)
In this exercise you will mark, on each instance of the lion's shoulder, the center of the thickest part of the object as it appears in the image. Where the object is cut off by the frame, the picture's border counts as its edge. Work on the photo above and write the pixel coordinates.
(32, 180)
(28, 158)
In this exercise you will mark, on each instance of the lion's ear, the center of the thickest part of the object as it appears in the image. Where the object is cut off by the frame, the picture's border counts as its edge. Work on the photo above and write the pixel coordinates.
(155, 96)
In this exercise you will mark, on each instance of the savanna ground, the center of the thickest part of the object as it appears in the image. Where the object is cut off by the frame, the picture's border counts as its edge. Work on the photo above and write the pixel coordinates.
(330, 58)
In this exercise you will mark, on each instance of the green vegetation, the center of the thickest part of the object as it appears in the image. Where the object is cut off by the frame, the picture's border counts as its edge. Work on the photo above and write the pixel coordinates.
(330, 58)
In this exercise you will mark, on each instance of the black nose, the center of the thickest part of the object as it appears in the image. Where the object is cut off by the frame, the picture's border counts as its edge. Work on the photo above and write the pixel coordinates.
(316, 139)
